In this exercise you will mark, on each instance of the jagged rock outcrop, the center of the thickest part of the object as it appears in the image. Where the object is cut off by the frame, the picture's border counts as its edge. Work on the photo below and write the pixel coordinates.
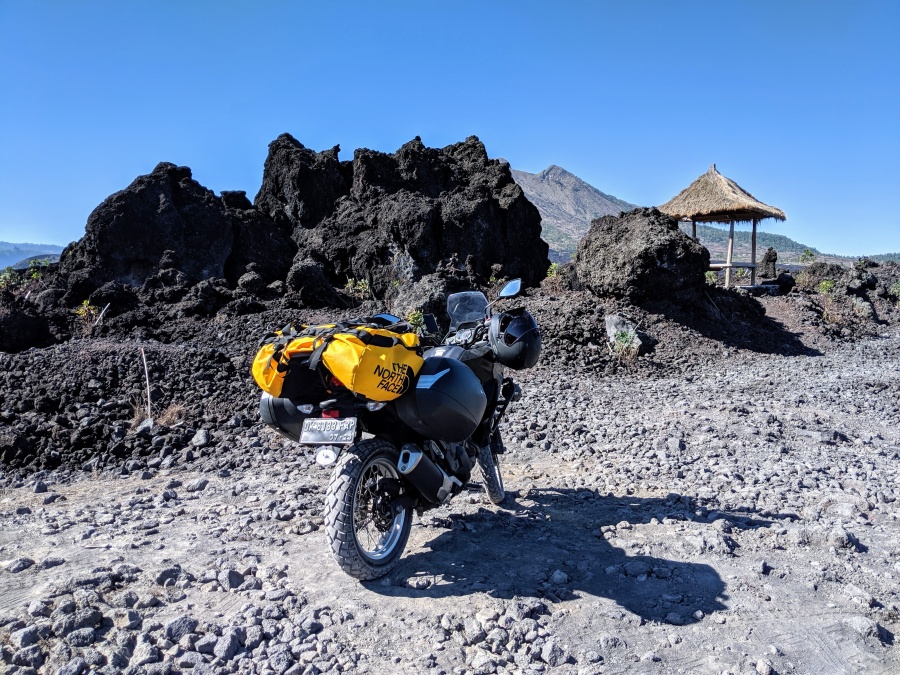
(766, 269)
(407, 228)
(640, 255)
(206, 236)
(392, 219)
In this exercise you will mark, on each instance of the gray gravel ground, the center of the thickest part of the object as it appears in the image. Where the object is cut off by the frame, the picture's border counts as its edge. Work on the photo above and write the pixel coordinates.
(742, 518)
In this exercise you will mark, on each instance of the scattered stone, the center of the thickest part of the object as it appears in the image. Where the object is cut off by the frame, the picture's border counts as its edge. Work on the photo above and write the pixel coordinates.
(559, 578)
(553, 655)
(19, 565)
(178, 627)
(197, 485)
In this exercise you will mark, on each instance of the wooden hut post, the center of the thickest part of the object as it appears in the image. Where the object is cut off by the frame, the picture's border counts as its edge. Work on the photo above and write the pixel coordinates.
(730, 255)
(753, 254)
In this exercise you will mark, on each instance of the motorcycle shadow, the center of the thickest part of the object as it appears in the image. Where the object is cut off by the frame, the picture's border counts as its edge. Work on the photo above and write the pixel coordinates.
(548, 544)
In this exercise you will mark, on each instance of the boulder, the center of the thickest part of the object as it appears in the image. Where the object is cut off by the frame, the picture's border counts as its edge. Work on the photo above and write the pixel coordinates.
(20, 328)
(167, 220)
(813, 275)
(640, 255)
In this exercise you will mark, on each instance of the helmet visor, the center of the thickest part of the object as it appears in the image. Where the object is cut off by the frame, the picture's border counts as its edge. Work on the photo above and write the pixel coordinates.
(520, 324)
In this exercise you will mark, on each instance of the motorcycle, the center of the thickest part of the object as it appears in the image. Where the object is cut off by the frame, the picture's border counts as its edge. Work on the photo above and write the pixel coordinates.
(418, 451)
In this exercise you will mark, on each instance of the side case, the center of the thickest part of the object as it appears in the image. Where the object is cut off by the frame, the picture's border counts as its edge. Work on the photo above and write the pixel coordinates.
(447, 402)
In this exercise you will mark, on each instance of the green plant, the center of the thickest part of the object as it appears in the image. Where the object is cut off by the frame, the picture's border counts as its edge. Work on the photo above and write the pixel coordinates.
(711, 277)
(807, 257)
(416, 319)
(37, 269)
(625, 345)
(86, 315)
(9, 279)
(357, 288)
(894, 290)
(825, 287)
(554, 270)
(740, 273)
(492, 280)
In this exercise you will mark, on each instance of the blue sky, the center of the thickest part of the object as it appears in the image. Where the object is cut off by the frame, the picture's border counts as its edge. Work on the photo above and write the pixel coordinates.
(797, 101)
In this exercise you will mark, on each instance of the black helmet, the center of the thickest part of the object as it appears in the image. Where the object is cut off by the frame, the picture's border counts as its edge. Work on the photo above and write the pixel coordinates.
(515, 338)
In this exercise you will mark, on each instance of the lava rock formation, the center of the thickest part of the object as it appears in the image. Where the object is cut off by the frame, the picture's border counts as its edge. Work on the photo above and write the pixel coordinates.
(640, 255)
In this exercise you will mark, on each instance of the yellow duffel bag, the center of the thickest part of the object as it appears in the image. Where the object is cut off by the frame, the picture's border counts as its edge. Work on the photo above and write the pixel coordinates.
(371, 361)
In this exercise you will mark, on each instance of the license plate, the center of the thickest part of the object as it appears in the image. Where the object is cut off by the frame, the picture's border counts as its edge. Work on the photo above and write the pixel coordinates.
(328, 431)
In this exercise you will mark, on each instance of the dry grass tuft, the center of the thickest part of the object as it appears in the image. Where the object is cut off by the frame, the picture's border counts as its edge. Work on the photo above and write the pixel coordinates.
(173, 414)
(138, 411)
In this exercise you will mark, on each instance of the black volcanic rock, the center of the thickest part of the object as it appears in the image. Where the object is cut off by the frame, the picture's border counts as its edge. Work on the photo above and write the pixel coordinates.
(640, 255)
(393, 219)
(299, 186)
(166, 210)
(21, 328)
(414, 225)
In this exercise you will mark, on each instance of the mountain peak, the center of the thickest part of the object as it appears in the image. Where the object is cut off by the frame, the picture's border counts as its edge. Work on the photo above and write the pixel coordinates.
(567, 205)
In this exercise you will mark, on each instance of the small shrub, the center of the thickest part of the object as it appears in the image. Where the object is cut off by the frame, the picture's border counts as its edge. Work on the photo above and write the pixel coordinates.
(712, 277)
(807, 257)
(9, 280)
(37, 269)
(830, 312)
(625, 346)
(357, 288)
(416, 319)
(554, 270)
(894, 290)
(862, 308)
(86, 315)
(825, 287)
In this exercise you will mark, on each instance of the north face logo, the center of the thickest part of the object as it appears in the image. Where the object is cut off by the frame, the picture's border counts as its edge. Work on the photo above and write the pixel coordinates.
(394, 380)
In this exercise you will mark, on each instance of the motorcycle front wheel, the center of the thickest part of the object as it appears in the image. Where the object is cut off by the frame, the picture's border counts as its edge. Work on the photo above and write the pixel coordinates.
(489, 464)
(367, 537)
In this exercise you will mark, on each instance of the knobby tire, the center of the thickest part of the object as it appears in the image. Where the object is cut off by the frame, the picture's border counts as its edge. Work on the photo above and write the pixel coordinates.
(360, 460)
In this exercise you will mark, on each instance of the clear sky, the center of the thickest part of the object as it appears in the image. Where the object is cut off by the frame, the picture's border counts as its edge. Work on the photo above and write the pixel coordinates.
(797, 101)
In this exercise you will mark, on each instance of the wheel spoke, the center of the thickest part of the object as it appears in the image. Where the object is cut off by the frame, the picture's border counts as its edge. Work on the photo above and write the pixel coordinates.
(374, 541)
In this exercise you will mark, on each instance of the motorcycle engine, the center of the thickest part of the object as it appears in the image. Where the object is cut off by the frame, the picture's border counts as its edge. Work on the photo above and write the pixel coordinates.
(457, 460)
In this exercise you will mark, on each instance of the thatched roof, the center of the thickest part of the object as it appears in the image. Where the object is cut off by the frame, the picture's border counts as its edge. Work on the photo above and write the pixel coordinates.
(715, 198)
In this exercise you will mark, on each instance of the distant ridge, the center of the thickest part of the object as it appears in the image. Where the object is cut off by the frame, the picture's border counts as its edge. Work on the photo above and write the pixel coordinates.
(11, 253)
(567, 205)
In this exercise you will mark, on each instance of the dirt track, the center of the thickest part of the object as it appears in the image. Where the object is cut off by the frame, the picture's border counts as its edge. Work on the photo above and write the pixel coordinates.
(672, 525)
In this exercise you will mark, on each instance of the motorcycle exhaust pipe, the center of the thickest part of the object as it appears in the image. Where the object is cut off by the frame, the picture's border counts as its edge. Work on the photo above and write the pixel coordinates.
(425, 476)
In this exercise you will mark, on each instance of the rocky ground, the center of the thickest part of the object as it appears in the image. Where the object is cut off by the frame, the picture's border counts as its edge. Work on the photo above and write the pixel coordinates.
(737, 513)
(725, 501)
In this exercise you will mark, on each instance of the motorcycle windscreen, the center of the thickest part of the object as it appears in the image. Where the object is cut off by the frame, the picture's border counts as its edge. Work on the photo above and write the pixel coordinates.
(466, 307)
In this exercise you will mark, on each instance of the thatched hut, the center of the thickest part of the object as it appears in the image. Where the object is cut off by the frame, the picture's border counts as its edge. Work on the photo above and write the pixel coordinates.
(713, 198)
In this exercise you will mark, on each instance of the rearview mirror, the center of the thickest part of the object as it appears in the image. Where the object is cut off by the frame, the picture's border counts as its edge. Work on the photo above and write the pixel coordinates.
(431, 324)
(512, 289)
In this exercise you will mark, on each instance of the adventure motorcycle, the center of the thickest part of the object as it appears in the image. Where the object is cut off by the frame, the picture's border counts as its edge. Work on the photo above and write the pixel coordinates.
(417, 451)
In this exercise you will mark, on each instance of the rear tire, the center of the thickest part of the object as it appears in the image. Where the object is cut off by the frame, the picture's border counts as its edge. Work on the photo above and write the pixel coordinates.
(489, 464)
(366, 539)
